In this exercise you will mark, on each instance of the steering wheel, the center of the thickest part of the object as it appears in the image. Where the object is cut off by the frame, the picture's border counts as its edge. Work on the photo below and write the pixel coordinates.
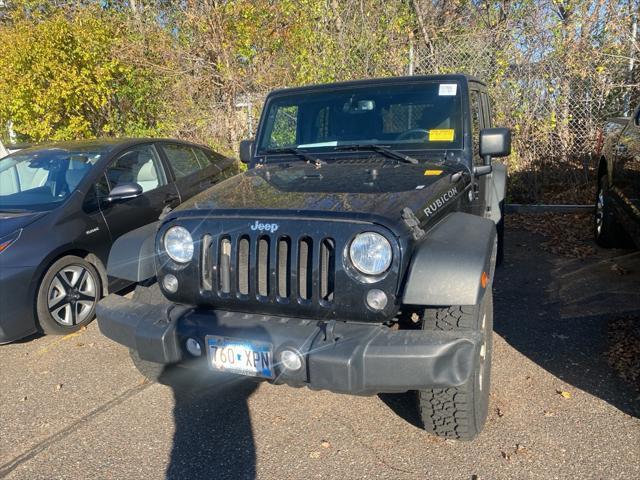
(413, 133)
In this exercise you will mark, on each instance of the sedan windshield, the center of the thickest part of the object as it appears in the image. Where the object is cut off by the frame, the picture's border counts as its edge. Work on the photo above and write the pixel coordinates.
(418, 116)
(42, 179)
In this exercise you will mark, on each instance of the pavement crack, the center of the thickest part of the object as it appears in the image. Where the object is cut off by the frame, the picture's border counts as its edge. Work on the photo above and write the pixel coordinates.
(44, 444)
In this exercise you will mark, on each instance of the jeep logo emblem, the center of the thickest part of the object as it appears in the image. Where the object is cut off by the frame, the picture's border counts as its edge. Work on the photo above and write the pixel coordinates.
(269, 227)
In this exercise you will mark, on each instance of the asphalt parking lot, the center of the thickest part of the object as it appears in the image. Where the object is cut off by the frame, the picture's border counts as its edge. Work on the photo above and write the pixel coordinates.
(75, 407)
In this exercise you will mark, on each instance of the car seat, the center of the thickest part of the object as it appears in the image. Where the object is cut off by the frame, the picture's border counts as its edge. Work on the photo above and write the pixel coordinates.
(147, 177)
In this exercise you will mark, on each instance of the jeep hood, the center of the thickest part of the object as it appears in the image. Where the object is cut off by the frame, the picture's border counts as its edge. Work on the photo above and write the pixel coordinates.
(377, 188)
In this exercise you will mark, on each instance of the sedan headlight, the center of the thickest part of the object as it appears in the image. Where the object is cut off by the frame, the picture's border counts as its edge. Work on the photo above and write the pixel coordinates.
(371, 253)
(179, 244)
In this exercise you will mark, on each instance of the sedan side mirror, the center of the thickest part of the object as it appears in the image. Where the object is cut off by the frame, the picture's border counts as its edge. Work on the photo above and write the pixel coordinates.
(494, 142)
(246, 151)
(124, 191)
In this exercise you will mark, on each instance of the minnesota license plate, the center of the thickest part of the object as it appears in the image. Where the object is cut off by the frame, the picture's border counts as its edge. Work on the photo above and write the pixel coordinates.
(234, 355)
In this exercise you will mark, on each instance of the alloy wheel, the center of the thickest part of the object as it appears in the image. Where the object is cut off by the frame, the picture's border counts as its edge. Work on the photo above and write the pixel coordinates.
(72, 295)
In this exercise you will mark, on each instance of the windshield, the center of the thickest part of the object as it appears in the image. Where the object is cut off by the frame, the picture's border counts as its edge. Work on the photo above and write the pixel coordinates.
(413, 116)
(42, 179)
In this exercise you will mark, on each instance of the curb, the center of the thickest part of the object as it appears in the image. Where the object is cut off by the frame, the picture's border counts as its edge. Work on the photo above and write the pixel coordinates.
(524, 208)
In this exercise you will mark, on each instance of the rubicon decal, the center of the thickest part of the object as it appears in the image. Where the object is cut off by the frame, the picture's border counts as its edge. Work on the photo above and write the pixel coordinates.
(440, 201)
(269, 227)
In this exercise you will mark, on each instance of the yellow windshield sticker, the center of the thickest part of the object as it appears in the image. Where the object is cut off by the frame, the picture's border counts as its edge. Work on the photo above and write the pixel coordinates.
(432, 172)
(441, 135)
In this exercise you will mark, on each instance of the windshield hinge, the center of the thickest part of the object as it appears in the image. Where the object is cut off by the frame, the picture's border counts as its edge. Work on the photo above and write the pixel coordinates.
(413, 223)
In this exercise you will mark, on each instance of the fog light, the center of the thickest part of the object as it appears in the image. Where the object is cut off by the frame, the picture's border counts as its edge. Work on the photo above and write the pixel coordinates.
(193, 347)
(376, 299)
(290, 360)
(170, 283)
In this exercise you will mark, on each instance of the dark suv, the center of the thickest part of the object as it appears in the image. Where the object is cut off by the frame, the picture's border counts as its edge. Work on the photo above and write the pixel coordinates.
(356, 254)
(61, 207)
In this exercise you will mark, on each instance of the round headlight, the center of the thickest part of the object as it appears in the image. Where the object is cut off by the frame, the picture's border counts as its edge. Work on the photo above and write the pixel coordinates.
(179, 244)
(371, 253)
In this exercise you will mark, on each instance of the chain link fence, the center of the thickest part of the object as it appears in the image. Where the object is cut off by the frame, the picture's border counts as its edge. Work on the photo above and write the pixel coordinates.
(554, 103)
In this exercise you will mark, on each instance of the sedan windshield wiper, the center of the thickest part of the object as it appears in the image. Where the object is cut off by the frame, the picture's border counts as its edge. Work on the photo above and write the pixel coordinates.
(298, 152)
(380, 149)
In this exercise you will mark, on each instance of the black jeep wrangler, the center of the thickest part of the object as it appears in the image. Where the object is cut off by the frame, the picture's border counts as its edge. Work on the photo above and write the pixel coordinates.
(356, 253)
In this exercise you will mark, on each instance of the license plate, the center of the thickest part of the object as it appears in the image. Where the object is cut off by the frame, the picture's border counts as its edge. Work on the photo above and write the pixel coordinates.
(243, 357)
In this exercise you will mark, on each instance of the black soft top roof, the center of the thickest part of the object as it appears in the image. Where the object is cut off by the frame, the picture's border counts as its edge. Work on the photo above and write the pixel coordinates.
(376, 81)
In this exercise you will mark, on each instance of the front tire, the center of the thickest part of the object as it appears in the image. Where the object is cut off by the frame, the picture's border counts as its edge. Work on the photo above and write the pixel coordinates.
(460, 412)
(67, 296)
(606, 230)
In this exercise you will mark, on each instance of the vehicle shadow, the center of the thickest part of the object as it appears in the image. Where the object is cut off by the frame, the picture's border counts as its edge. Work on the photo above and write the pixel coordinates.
(557, 313)
(213, 437)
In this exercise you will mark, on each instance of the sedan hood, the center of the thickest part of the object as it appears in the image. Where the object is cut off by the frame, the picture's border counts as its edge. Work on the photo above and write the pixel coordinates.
(379, 188)
(12, 221)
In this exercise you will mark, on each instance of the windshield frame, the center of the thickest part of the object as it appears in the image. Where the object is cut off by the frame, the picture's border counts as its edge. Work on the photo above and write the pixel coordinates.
(336, 149)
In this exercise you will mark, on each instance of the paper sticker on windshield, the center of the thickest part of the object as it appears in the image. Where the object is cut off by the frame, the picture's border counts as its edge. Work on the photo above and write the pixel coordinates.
(448, 89)
(441, 135)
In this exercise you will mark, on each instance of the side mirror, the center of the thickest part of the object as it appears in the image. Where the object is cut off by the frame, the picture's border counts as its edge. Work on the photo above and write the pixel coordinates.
(494, 142)
(124, 191)
(246, 151)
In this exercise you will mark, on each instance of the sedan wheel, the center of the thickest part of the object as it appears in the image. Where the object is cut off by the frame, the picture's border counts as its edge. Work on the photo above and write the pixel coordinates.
(72, 295)
(68, 295)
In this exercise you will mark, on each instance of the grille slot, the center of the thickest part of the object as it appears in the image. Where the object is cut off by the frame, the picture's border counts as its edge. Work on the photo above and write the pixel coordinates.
(305, 268)
(284, 267)
(327, 269)
(224, 265)
(243, 265)
(206, 264)
(263, 266)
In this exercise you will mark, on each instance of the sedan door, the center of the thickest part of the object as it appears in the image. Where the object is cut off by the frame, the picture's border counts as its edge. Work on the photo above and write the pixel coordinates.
(195, 169)
(142, 165)
(626, 177)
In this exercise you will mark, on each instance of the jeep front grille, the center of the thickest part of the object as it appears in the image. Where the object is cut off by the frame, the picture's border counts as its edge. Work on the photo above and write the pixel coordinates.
(269, 268)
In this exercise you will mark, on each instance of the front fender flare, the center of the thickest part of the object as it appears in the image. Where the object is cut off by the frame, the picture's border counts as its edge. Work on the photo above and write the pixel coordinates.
(447, 265)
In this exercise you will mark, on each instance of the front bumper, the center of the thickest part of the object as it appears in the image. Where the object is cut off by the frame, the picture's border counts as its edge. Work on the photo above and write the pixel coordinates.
(342, 357)
(16, 303)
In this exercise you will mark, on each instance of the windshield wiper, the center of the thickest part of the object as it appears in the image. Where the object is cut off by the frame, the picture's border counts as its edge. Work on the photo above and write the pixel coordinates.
(298, 152)
(380, 149)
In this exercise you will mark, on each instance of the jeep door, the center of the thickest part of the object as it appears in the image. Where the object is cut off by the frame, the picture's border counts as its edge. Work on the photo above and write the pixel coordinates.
(479, 119)
(140, 164)
(626, 176)
(194, 169)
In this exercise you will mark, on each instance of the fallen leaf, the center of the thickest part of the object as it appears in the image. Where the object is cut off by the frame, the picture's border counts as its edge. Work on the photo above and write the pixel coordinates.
(520, 448)
(58, 386)
(79, 344)
(83, 328)
(499, 412)
(325, 444)
(620, 270)
(547, 413)
(23, 398)
(505, 455)
(563, 394)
